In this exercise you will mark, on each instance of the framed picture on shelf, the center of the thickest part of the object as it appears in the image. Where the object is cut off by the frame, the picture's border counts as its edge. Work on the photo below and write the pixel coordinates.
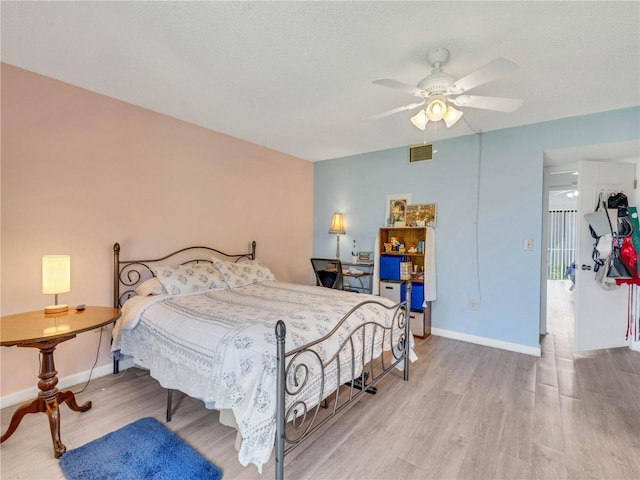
(421, 215)
(395, 214)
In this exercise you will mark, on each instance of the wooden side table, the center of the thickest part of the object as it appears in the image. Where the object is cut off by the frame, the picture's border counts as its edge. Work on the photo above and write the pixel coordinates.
(45, 332)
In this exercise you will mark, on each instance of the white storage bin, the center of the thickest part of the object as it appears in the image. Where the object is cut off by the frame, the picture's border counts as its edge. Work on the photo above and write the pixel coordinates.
(420, 322)
(395, 291)
(416, 323)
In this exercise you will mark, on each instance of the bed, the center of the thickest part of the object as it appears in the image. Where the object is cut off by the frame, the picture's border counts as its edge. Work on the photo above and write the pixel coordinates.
(278, 360)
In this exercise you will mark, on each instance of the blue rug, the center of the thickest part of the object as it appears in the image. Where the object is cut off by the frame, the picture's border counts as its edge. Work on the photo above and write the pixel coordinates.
(145, 449)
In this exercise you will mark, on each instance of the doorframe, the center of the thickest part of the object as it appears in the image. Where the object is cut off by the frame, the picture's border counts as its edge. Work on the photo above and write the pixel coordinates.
(619, 151)
(546, 189)
(544, 246)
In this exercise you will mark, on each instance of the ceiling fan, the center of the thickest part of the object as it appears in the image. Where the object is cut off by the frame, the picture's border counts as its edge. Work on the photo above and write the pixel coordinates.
(439, 90)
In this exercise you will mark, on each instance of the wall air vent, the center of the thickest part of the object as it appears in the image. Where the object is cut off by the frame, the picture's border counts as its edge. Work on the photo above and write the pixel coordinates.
(420, 152)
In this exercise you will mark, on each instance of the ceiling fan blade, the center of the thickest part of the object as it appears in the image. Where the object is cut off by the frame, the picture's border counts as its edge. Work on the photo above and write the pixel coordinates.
(498, 104)
(395, 110)
(491, 71)
(387, 82)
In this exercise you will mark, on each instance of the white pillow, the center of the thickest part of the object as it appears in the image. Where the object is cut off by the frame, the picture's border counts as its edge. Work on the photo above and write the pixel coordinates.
(152, 286)
(190, 278)
(243, 273)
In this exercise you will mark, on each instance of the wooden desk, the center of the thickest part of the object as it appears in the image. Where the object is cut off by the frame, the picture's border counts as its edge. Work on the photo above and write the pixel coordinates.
(45, 332)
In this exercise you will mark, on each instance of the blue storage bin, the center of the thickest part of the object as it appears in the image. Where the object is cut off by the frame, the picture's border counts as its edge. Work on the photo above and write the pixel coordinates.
(417, 296)
(390, 267)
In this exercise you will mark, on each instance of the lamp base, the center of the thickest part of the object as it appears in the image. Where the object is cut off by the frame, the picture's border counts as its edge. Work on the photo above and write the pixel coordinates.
(56, 309)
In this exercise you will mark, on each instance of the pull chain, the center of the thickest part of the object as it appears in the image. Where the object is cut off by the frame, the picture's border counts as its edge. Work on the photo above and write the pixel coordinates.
(435, 137)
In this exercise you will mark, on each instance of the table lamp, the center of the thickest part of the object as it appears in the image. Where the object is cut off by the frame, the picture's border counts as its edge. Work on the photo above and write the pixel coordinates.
(337, 227)
(56, 278)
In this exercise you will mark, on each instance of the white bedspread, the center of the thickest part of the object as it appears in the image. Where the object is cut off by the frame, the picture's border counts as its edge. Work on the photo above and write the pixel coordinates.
(220, 346)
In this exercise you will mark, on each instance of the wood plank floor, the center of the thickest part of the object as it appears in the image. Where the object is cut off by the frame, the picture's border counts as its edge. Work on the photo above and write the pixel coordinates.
(468, 412)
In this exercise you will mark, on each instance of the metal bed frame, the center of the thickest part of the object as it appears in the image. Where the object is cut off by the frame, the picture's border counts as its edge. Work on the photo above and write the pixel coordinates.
(298, 419)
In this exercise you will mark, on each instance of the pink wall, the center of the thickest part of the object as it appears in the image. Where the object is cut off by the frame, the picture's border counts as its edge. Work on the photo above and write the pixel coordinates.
(81, 171)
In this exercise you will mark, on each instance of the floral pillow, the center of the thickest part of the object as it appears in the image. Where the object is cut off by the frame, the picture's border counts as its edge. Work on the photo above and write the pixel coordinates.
(190, 278)
(243, 273)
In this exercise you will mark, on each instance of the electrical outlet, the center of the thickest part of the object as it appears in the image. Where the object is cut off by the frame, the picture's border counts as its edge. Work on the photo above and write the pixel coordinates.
(528, 244)
(474, 303)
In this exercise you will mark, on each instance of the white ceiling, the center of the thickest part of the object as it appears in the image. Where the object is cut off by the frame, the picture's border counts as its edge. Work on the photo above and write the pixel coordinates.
(628, 151)
(296, 76)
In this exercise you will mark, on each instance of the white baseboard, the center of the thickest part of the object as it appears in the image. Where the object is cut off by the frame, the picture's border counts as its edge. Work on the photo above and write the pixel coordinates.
(488, 342)
(635, 346)
(64, 382)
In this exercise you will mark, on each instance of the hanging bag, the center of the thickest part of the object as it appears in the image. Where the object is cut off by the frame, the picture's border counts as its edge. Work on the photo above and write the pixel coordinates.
(602, 279)
(617, 200)
(604, 246)
(617, 268)
(599, 223)
(629, 257)
(635, 234)
(602, 231)
(625, 227)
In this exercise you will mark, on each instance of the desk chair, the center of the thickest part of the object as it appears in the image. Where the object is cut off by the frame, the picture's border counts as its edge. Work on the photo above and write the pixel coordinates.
(328, 272)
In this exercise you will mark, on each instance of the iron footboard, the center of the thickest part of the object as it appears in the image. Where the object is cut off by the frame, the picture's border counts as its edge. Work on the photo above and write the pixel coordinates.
(311, 391)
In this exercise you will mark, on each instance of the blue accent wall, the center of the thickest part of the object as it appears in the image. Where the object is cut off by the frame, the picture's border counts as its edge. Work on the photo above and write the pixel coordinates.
(509, 211)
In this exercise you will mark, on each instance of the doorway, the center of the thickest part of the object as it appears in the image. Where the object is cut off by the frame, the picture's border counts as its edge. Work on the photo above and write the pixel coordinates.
(561, 251)
(605, 161)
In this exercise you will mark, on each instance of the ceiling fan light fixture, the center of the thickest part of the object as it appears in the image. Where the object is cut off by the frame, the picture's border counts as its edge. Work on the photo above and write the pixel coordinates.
(436, 109)
(420, 119)
(440, 91)
(452, 116)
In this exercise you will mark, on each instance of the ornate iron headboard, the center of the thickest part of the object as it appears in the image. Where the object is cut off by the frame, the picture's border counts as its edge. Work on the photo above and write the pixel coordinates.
(131, 273)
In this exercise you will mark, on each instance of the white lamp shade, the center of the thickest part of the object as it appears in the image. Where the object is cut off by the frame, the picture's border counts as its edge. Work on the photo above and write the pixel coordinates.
(56, 274)
(420, 120)
(337, 224)
(452, 116)
(436, 110)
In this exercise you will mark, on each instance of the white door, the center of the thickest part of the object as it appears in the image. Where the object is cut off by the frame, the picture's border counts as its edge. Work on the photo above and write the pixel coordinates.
(600, 315)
